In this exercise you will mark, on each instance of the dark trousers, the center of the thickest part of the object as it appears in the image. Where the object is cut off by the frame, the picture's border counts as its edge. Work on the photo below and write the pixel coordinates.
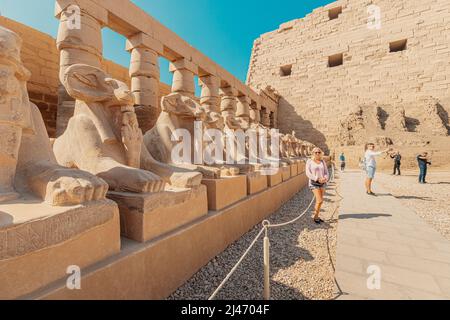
(342, 166)
(423, 174)
(397, 169)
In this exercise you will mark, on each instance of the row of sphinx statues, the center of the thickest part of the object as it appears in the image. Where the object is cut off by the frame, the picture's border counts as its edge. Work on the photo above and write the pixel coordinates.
(103, 147)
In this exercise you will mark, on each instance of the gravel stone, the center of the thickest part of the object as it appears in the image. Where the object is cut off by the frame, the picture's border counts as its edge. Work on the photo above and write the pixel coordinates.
(302, 258)
(430, 201)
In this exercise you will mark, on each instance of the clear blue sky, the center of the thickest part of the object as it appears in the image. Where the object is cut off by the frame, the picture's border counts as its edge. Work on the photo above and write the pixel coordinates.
(224, 30)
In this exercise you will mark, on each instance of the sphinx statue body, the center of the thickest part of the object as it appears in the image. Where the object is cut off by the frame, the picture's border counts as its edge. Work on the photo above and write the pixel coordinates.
(179, 111)
(27, 163)
(103, 136)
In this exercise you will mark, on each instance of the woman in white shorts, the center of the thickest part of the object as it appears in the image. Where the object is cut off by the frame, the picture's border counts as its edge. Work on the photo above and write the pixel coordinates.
(371, 165)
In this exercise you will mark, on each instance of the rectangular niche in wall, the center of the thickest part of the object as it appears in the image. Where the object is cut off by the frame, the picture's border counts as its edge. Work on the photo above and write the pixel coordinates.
(336, 60)
(286, 70)
(334, 13)
(399, 45)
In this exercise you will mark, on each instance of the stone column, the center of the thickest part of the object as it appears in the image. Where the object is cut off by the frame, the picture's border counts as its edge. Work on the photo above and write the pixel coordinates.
(184, 72)
(210, 98)
(243, 111)
(79, 40)
(228, 103)
(255, 116)
(79, 37)
(145, 75)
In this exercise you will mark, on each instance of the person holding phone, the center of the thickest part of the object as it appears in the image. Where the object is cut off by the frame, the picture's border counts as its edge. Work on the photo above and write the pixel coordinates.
(371, 165)
(424, 162)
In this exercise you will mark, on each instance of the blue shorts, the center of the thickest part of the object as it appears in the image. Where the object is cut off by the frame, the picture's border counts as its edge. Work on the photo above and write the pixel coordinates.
(313, 187)
(371, 172)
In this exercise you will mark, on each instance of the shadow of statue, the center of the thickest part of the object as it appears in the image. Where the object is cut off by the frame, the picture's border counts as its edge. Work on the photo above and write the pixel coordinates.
(363, 216)
(305, 130)
(443, 114)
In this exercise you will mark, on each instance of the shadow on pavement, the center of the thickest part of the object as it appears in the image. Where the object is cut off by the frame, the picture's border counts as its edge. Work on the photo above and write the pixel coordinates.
(414, 198)
(363, 216)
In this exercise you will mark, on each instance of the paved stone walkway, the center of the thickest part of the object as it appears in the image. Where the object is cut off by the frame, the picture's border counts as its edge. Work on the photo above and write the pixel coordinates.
(383, 235)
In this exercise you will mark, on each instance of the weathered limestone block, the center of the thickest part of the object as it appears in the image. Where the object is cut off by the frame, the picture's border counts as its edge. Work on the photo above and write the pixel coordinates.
(301, 167)
(397, 120)
(275, 178)
(256, 182)
(294, 169)
(286, 172)
(432, 119)
(144, 217)
(38, 242)
(225, 191)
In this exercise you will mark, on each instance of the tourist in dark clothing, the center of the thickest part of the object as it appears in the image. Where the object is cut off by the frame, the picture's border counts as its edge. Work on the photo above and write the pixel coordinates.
(423, 166)
(397, 162)
(342, 160)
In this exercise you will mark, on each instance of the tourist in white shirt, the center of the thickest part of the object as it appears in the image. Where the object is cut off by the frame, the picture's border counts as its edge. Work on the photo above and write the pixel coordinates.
(371, 165)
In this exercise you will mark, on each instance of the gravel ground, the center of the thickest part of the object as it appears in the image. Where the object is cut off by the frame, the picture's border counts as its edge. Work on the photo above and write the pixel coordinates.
(301, 267)
(431, 201)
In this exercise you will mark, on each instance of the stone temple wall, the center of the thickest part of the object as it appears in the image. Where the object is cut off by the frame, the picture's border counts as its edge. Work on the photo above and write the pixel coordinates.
(330, 62)
(41, 57)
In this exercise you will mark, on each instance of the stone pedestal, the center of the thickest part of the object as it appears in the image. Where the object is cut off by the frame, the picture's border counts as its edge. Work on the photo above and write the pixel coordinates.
(225, 191)
(256, 182)
(286, 173)
(144, 217)
(301, 167)
(294, 169)
(155, 270)
(39, 242)
(275, 178)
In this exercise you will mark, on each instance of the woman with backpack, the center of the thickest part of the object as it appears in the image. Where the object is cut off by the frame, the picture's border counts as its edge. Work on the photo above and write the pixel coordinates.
(318, 175)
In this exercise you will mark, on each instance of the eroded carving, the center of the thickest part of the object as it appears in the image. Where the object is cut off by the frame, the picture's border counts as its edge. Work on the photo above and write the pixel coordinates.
(103, 136)
(26, 157)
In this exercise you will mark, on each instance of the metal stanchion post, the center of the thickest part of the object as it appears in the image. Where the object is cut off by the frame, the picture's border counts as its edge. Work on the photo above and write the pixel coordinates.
(266, 263)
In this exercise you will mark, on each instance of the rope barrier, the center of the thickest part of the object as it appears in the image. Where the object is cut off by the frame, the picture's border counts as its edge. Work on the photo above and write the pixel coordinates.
(236, 266)
(266, 225)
